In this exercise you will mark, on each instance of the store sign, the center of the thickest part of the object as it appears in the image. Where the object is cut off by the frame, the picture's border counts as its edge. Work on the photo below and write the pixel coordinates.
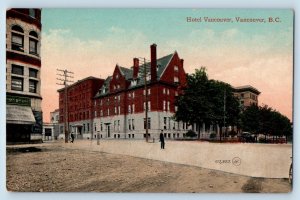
(20, 101)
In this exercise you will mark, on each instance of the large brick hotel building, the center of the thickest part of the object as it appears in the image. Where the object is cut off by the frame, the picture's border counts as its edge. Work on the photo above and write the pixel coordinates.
(117, 109)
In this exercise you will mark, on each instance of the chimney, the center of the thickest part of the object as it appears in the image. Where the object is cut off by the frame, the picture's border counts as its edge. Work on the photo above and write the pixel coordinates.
(181, 60)
(153, 63)
(135, 67)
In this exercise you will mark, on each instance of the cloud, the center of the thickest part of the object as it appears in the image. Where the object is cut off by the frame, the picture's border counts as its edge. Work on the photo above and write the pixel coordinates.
(61, 49)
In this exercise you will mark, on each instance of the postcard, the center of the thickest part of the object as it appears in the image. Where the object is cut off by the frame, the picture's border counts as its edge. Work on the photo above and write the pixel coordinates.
(149, 100)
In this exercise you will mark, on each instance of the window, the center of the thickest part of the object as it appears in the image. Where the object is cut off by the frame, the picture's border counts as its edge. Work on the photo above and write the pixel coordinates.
(168, 105)
(164, 91)
(32, 86)
(108, 112)
(129, 109)
(176, 108)
(115, 124)
(95, 113)
(119, 109)
(33, 73)
(176, 68)
(164, 105)
(176, 80)
(169, 123)
(149, 123)
(176, 93)
(115, 110)
(84, 128)
(32, 13)
(88, 127)
(101, 127)
(149, 91)
(144, 105)
(132, 94)
(16, 69)
(17, 83)
(33, 46)
(101, 113)
(144, 92)
(165, 123)
(118, 125)
(132, 124)
(149, 105)
(17, 38)
(168, 91)
(129, 124)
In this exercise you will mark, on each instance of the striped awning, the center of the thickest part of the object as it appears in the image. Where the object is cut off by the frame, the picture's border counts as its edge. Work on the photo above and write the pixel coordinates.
(19, 115)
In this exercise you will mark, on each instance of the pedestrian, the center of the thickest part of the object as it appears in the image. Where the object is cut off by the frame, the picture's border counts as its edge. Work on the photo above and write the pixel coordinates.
(162, 140)
(72, 137)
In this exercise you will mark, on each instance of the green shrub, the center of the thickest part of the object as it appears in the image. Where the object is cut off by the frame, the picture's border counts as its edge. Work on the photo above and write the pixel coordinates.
(191, 134)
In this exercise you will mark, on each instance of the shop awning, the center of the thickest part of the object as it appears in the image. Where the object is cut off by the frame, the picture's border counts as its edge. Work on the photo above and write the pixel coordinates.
(19, 115)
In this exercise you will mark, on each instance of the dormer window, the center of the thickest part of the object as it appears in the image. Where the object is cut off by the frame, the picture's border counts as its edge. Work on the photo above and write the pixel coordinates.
(133, 82)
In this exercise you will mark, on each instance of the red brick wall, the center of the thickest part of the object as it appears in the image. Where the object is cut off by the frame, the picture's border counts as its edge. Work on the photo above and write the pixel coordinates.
(80, 100)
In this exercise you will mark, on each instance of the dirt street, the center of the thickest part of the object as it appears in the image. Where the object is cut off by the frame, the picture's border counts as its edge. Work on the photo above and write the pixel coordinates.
(53, 168)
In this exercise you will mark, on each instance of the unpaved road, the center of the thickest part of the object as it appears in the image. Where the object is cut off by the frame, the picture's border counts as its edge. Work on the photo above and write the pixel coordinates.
(53, 168)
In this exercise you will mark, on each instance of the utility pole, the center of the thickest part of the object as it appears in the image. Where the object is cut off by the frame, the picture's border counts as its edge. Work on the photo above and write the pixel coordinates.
(65, 78)
(146, 97)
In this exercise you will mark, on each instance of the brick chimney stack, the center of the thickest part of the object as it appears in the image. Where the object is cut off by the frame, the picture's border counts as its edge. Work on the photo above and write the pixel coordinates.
(135, 67)
(153, 63)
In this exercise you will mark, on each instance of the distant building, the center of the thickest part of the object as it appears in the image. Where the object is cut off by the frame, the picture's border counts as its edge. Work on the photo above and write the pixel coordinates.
(51, 129)
(80, 107)
(247, 95)
(23, 76)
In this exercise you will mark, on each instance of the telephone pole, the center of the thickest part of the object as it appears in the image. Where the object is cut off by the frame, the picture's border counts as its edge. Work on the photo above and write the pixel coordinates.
(146, 97)
(64, 76)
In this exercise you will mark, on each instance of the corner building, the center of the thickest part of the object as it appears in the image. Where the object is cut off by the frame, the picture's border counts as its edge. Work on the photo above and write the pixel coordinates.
(23, 75)
(120, 104)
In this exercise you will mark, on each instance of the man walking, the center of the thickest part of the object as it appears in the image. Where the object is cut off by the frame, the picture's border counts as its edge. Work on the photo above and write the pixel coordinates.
(72, 137)
(162, 140)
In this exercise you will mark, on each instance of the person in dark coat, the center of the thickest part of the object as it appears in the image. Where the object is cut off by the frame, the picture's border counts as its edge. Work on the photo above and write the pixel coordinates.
(162, 140)
(72, 137)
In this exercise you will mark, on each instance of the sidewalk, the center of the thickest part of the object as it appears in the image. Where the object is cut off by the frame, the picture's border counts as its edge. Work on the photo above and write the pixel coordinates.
(255, 160)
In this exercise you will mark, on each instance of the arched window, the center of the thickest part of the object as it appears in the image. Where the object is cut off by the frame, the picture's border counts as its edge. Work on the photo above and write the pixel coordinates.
(17, 28)
(17, 38)
(33, 34)
(33, 43)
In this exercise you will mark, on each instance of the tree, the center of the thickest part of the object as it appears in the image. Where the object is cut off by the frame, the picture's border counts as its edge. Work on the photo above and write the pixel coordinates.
(264, 120)
(203, 101)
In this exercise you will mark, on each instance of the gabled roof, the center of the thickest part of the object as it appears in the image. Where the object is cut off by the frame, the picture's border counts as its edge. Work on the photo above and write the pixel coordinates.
(128, 73)
(104, 86)
(162, 64)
